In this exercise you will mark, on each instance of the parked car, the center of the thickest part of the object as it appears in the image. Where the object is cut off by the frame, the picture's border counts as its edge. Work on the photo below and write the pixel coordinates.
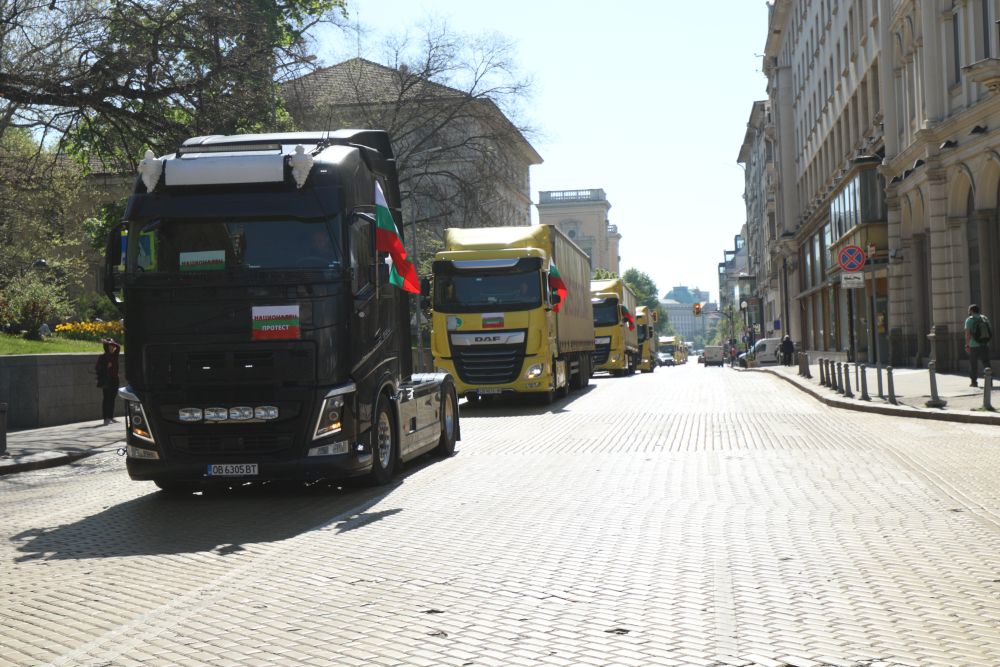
(665, 359)
(765, 351)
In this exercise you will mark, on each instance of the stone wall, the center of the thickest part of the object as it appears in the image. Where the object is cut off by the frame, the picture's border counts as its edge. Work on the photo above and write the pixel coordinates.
(51, 389)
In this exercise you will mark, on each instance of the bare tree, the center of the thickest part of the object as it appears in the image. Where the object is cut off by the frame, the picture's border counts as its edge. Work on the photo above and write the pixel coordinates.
(451, 103)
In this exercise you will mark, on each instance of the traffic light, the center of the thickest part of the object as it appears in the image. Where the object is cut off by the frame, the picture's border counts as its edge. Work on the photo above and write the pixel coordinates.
(697, 309)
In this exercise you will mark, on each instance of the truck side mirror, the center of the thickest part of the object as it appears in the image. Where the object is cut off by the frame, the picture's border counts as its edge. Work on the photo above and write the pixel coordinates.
(114, 265)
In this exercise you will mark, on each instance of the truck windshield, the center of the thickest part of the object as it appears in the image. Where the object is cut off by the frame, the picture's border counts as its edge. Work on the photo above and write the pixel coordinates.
(473, 292)
(166, 246)
(606, 312)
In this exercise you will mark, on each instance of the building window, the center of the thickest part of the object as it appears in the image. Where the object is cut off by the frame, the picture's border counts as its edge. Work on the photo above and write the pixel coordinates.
(956, 49)
(985, 6)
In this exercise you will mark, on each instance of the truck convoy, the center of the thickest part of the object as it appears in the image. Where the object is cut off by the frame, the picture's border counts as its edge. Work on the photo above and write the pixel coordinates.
(511, 312)
(645, 321)
(616, 340)
(265, 336)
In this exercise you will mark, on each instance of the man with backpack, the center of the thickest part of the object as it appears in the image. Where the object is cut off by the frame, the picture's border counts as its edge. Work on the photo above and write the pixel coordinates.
(978, 333)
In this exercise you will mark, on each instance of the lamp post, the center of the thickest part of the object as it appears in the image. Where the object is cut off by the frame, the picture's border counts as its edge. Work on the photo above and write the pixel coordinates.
(747, 335)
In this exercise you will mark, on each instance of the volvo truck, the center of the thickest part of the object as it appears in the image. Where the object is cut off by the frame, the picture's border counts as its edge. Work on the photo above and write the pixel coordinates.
(616, 340)
(265, 338)
(511, 312)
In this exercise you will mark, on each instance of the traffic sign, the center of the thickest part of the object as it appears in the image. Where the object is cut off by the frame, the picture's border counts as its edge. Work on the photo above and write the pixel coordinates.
(852, 280)
(851, 258)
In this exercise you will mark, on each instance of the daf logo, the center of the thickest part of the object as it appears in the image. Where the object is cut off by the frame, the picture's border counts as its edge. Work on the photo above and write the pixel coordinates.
(506, 338)
(487, 339)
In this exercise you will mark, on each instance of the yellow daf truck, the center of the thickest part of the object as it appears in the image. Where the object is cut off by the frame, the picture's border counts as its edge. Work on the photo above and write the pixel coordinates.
(645, 321)
(511, 312)
(616, 341)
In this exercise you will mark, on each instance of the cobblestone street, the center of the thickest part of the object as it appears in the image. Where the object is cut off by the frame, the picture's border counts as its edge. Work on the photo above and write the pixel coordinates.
(693, 516)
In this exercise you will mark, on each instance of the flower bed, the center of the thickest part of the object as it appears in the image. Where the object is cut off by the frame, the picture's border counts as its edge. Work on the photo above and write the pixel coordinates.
(90, 330)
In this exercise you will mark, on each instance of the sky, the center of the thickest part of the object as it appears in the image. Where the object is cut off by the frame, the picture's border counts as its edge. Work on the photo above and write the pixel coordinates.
(645, 99)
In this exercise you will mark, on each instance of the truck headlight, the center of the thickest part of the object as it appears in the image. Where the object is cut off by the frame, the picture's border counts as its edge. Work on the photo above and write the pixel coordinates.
(535, 371)
(329, 417)
(138, 425)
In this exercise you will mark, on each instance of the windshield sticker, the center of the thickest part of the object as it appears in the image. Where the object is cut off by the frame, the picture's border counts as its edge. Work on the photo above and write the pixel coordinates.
(454, 323)
(493, 320)
(275, 323)
(206, 260)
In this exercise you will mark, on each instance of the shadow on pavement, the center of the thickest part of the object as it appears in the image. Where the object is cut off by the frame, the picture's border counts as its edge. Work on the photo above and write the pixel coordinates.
(219, 521)
(518, 406)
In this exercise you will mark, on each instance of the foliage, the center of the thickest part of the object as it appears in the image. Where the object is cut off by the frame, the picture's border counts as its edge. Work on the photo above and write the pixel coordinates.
(30, 300)
(109, 78)
(97, 227)
(91, 330)
(94, 306)
(52, 345)
(604, 274)
(41, 197)
(645, 292)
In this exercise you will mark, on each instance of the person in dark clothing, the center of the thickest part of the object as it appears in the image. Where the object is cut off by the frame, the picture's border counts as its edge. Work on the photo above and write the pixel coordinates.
(787, 347)
(978, 349)
(107, 379)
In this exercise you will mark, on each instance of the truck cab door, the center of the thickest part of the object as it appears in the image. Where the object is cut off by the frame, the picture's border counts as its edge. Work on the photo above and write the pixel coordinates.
(364, 310)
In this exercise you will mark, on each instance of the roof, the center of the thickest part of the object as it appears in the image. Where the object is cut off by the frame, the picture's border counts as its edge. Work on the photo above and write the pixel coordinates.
(382, 85)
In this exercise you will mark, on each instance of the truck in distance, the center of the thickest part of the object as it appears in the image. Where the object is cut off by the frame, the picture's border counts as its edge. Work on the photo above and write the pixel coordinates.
(511, 312)
(265, 336)
(616, 340)
(645, 322)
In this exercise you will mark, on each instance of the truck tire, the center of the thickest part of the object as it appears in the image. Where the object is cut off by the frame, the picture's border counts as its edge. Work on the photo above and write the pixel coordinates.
(586, 370)
(563, 391)
(449, 421)
(384, 444)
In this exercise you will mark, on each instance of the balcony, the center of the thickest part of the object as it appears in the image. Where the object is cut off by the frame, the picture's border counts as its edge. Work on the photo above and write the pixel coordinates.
(564, 196)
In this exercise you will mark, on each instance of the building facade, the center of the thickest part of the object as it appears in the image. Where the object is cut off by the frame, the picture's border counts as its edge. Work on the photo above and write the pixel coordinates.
(582, 215)
(888, 143)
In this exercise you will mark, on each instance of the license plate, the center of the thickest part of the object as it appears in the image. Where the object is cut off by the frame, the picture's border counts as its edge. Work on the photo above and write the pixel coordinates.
(491, 390)
(232, 469)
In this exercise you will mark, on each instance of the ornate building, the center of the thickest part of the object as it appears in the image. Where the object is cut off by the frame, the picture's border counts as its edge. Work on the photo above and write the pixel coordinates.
(582, 215)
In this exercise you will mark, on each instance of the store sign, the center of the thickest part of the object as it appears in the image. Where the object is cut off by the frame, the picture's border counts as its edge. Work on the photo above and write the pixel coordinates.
(852, 281)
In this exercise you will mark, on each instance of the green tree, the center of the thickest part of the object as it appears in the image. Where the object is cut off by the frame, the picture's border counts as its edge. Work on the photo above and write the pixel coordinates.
(109, 78)
(604, 274)
(645, 291)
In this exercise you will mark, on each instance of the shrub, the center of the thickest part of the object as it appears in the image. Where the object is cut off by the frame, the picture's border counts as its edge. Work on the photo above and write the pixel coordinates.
(91, 330)
(30, 301)
(94, 306)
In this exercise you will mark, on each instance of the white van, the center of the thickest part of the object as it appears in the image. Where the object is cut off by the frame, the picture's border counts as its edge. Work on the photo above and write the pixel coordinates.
(765, 351)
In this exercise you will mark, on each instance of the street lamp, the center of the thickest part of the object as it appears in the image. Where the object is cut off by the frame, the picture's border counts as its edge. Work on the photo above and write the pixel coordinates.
(747, 335)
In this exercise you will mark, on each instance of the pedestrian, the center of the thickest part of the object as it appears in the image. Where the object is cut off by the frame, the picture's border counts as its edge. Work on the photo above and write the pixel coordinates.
(107, 379)
(977, 342)
(787, 347)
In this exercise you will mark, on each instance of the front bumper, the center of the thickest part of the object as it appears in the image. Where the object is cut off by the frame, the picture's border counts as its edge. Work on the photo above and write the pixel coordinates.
(310, 468)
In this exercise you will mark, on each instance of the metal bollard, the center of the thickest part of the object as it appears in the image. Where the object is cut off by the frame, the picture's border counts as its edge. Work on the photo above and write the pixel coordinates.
(829, 374)
(892, 391)
(935, 401)
(864, 384)
(805, 370)
(857, 378)
(3, 429)
(847, 381)
(987, 389)
(878, 373)
(840, 378)
(822, 372)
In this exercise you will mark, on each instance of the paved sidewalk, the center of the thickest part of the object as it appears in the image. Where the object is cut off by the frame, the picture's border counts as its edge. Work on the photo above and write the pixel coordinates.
(58, 445)
(912, 390)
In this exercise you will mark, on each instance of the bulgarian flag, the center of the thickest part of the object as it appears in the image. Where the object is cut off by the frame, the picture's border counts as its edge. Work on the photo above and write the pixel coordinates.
(401, 271)
(628, 318)
(556, 283)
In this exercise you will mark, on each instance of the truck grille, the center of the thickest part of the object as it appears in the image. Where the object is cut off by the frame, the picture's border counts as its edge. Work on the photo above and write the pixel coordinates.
(601, 352)
(488, 364)
(226, 445)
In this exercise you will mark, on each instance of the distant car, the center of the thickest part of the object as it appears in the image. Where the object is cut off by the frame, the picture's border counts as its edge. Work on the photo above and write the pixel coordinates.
(701, 358)
(665, 359)
(765, 351)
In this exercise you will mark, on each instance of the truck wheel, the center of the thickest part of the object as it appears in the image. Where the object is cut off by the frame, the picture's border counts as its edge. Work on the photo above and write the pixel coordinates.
(630, 366)
(563, 391)
(449, 421)
(585, 371)
(383, 444)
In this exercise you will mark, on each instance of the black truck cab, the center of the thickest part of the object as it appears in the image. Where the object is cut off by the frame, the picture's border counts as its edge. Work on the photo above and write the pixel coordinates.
(263, 340)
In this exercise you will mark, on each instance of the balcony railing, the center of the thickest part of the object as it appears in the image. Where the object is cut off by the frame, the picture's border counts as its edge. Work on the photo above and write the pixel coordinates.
(559, 196)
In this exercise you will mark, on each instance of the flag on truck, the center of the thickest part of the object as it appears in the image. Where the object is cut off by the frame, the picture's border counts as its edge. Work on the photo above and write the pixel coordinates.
(627, 316)
(387, 239)
(556, 283)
